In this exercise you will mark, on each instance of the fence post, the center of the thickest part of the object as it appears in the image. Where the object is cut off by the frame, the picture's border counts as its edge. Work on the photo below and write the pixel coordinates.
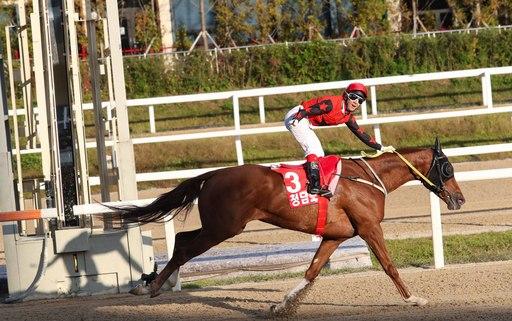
(261, 105)
(238, 142)
(364, 111)
(486, 89)
(170, 241)
(376, 128)
(152, 127)
(437, 231)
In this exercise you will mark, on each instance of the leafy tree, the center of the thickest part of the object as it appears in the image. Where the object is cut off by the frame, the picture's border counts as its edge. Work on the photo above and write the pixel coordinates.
(6, 18)
(268, 19)
(302, 19)
(231, 17)
(146, 29)
(479, 13)
(371, 16)
(183, 42)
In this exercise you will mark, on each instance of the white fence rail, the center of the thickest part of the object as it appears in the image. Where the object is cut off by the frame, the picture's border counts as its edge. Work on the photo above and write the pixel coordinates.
(435, 206)
(375, 120)
(483, 73)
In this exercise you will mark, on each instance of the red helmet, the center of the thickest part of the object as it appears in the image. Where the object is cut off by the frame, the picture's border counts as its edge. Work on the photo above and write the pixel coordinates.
(357, 86)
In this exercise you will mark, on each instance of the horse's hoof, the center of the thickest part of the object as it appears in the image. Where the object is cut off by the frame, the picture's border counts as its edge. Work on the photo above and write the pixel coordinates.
(415, 300)
(277, 310)
(155, 294)
(139, 290)
(154, 290)
(274, 311)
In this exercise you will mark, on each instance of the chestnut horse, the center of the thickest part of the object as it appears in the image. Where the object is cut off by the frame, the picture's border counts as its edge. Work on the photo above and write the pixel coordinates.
(229, 198)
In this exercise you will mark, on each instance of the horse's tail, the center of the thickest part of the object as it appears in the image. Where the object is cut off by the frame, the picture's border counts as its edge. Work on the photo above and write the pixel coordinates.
(178, 200)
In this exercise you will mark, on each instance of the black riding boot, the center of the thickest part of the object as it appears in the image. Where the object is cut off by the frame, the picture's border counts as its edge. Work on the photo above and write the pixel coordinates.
(313, 174)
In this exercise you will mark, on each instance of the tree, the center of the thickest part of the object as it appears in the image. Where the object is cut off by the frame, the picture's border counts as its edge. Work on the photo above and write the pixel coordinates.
(7, 13)
(146, 29)
(370, 15)
(183, 42)
(297, 20)
(231, 22)
(479, 13)
(268, 19)
(394, 15)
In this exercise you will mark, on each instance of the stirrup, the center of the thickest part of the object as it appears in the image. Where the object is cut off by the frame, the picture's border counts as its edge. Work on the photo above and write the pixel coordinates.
(320, 191)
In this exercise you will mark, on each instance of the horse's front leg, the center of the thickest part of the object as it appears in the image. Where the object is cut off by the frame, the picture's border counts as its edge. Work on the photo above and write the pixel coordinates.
(292, 299)
(374, 236)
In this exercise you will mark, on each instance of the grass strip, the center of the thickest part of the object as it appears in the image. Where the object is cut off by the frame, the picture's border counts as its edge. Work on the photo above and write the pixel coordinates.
(417, 252)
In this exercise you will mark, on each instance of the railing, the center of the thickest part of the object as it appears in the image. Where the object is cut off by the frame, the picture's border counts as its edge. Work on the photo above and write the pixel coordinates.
(237, 131)
(375, 120)
(435, 205)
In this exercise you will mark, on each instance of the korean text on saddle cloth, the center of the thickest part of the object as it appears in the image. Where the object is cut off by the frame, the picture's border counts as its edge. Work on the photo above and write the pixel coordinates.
(295, 183)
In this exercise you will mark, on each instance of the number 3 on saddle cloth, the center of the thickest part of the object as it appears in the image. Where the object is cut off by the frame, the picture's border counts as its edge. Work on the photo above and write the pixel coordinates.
(294, 179)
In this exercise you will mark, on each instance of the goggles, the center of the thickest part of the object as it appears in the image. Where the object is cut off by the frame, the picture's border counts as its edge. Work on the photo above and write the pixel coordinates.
(353, 96)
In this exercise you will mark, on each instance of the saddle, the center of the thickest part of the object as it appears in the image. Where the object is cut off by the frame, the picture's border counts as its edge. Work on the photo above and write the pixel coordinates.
(295, 181)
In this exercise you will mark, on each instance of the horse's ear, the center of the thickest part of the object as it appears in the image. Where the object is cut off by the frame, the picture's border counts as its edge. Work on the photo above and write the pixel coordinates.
(437, 145)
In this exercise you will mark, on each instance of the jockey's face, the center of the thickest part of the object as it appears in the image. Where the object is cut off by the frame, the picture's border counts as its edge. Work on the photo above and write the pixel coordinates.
(352, 105)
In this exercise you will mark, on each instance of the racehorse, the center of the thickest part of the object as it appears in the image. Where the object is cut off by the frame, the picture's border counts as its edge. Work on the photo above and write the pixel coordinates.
(229, 198)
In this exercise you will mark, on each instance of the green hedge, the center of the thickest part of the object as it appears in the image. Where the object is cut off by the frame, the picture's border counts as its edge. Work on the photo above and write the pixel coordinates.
(317, 61)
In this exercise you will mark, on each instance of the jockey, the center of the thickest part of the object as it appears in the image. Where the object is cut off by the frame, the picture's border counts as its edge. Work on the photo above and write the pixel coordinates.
(327, 111)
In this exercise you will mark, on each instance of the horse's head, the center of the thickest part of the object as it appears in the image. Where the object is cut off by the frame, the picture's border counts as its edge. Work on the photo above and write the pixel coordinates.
(441, 174)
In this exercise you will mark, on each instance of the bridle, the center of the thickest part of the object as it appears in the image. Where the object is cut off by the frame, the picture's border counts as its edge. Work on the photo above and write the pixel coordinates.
(440, 171)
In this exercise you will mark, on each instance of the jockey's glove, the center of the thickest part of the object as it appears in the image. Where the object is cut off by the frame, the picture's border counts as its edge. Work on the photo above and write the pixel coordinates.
(299, 116)
(387, 149)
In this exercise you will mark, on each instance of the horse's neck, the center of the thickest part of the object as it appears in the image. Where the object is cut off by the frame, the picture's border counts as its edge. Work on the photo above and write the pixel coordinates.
(394, 172)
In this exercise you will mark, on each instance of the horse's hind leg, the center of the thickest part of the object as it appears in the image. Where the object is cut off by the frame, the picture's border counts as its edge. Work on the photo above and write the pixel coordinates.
(291, 300)
(182, 254)
(181, 239)
(375, 239)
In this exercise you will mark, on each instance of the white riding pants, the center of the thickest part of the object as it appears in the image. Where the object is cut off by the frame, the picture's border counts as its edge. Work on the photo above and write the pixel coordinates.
(303, 133)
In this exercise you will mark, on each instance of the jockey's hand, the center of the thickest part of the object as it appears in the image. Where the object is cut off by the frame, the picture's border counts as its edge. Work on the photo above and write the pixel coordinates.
(298, 117)
(387, 149)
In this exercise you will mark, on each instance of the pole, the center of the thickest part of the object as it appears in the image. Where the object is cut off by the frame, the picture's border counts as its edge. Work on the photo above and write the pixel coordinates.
(437, 231)
(203, 25)
(7, 201)
(126, 159)
(26, 74)
(96, 101)
(414, 18)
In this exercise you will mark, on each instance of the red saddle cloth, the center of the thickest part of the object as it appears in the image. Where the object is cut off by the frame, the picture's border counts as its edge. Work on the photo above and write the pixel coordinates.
(295, 181)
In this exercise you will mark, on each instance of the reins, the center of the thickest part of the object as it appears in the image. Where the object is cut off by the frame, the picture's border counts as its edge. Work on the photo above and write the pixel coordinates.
(416, 171)
(383, 188)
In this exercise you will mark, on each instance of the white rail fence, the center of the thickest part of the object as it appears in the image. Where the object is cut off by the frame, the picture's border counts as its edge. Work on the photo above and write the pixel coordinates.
(483, 73)
(375, 120)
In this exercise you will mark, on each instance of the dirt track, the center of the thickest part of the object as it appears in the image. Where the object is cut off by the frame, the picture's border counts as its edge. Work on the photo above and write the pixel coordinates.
(463, 292)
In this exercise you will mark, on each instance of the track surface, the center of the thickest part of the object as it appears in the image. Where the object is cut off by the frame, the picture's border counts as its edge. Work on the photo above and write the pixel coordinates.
(463, 292)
